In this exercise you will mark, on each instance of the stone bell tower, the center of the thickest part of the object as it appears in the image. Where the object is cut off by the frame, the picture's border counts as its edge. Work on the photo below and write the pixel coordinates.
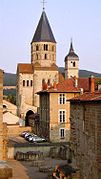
(43, 45)
(43, 56)
(71, 64)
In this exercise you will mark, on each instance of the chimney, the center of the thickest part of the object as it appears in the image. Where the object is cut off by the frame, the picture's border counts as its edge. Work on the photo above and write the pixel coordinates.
(44, 85)
(54, 85)
(91, 84)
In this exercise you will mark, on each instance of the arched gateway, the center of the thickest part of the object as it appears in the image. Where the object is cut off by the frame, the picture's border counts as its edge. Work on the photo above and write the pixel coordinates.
(29, 115)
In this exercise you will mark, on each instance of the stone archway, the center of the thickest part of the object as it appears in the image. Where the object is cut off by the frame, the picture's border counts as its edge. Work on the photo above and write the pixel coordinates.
(29, 115)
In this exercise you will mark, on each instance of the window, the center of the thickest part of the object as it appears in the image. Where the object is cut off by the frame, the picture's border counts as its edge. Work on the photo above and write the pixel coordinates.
(36, 56)
(62, 116)
(73, 64)
(31, 82)
(4, 106)
(27, 82)
(62, 99)
(46, 47)
(53, 48)
(45, 56)
(37, 47)
(23, 82)
(62, 133)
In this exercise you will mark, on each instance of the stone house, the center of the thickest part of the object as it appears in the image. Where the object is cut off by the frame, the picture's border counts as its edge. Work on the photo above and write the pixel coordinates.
(85, 135)
(55, 111)
(9, 107)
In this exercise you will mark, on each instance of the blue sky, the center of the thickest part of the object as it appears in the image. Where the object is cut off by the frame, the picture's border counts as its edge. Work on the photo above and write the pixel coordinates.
(76, 19)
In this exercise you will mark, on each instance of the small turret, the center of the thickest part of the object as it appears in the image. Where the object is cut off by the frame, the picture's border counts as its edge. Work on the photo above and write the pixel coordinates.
(71, 63)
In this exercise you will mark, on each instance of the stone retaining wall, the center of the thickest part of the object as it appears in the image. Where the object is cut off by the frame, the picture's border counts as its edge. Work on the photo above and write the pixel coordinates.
(54, 151)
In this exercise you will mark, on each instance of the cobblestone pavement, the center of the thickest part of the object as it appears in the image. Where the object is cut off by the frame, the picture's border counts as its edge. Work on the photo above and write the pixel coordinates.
(26, 170)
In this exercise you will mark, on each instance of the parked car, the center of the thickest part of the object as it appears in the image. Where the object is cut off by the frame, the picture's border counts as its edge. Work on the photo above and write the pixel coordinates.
(36, 139)
(30, 136)
(23, 133)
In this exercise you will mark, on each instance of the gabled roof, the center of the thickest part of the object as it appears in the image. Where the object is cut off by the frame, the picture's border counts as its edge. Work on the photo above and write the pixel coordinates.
(25, 68)
(43, 31)
(88, 96)
(84, 83)
(67, 86)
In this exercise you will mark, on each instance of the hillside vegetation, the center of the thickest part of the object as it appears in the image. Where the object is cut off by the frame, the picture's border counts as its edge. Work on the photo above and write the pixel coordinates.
(10, 78)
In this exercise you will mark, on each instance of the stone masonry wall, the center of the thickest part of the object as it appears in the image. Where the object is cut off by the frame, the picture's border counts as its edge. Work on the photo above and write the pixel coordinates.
(85, 138)
(3, 127)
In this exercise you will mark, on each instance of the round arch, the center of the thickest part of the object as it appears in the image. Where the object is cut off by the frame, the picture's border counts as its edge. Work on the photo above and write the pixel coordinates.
(29, 115)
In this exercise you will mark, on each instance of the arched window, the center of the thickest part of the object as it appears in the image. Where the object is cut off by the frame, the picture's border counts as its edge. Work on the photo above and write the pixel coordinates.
(4, 106)
(37, 47)
(45, 47)
(27, 82)
(23, 82)
(31, 83)
(36, 56)
(73, 64)
(45, 56)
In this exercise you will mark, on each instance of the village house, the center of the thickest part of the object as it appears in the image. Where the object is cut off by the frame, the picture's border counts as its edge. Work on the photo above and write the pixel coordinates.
(85, 135)
(55, 111)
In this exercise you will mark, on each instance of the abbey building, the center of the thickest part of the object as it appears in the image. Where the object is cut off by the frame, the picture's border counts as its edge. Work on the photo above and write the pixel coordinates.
(42, 69)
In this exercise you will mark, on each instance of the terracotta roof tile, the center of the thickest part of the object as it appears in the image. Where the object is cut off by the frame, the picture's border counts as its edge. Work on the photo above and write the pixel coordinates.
(25, 68)
(87, 96)
(84, 83)
(65, 86)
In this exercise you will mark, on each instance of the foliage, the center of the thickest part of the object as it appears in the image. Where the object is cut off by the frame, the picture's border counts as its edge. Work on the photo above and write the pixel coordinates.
(10, 95)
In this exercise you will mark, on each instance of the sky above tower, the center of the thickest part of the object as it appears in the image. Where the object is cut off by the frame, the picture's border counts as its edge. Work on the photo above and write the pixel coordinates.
(76, 19)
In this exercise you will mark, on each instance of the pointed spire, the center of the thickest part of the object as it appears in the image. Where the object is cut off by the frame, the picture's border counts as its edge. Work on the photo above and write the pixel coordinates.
(71, 52)
(71, 47)
(43, 31)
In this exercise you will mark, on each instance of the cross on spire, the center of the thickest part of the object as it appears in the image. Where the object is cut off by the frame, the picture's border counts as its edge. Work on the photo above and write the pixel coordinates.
(43, 2)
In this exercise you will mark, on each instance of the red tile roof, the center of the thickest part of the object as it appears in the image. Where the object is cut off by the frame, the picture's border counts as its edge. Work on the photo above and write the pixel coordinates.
(84, 83)
(25, 68)
(87, 96)
(65, 86)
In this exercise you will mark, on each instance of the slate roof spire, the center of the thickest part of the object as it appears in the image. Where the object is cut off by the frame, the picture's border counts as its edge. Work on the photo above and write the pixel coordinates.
(71, 52)
(43, 31)
(71, 47)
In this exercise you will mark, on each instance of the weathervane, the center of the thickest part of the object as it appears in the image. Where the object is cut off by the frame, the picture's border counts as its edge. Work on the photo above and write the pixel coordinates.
(43, 2)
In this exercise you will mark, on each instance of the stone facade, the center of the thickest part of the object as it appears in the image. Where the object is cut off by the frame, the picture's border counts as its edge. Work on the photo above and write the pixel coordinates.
(9, 107)
(3, 127)
(55, 112)
(86, 136)
(44, 53)
(71, 64)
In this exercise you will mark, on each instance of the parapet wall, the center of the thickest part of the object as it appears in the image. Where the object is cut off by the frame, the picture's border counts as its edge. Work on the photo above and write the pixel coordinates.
(15, 130)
